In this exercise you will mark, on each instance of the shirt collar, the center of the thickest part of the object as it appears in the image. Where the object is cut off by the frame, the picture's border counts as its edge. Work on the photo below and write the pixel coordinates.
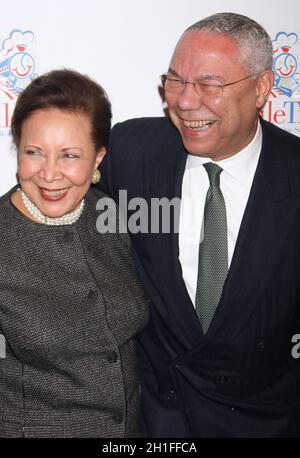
(240, 166)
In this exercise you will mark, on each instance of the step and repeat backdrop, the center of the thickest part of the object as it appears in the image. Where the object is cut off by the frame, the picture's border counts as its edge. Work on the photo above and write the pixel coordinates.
(125, 45)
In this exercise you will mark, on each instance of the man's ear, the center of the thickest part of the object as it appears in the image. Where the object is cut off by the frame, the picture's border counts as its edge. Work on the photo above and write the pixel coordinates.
(100, 155)
(264, 87)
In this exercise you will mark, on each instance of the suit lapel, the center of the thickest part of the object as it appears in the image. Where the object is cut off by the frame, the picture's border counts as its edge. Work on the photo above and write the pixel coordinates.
(268, 216)
(168, 170)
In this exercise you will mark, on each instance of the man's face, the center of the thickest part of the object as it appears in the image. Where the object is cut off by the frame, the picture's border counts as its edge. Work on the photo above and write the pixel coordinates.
(215, 127)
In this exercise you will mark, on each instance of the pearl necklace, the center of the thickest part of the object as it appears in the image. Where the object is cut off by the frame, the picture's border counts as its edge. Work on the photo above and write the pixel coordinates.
(69, 218)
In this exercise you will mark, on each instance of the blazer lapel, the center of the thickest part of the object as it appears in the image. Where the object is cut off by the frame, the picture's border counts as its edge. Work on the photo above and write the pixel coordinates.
(168, 170)
(268, 216)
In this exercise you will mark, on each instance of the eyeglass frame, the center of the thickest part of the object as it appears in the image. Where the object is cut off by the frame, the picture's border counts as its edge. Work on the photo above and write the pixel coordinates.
(164, 76)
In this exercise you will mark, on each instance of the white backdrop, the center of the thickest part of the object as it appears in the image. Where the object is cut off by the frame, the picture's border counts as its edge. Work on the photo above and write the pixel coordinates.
(125, 45)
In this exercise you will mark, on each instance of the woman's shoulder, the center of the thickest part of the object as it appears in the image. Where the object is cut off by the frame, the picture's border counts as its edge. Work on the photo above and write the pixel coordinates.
(97, 200)
(7, 219)
(93, 196)
(96, 193)
(5, 198)
(105, 214)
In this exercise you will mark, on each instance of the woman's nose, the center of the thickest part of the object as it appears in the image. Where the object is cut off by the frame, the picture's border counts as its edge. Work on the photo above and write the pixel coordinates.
(50, 171)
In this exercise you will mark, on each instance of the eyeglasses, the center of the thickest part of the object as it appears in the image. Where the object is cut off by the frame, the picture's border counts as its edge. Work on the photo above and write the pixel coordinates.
(211, 90)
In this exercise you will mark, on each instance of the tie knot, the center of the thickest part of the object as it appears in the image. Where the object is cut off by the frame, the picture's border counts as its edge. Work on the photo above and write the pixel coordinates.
(213, 172)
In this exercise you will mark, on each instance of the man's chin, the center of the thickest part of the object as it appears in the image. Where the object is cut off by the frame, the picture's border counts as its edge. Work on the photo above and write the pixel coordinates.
(196, 151)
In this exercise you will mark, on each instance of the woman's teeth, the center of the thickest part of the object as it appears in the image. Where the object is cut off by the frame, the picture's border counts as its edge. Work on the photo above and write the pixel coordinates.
(54, 193)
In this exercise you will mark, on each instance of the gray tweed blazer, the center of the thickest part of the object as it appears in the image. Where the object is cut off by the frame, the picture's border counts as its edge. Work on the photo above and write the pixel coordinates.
(70, 305)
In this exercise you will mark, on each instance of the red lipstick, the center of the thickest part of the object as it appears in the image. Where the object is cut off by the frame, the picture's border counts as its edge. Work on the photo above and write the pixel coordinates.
(52, 198)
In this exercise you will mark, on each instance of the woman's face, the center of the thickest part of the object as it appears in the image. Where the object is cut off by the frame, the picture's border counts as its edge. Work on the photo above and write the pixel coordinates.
(56, 160)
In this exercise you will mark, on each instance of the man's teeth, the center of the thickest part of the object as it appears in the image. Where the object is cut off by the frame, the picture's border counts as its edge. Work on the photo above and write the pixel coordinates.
(54, 193)
(197, 124)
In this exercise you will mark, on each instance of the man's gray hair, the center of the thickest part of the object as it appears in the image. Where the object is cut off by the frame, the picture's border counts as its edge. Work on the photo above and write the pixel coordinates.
(253, 41)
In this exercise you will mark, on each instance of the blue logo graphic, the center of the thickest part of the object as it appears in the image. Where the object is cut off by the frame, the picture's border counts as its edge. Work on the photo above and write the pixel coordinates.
(16, 64)
(285, 64)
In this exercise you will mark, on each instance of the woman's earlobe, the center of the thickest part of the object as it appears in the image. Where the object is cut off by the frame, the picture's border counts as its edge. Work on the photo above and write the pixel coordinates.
(100, 155)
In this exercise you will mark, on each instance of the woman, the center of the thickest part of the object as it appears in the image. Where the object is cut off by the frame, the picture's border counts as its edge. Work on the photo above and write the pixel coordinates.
(70, 301)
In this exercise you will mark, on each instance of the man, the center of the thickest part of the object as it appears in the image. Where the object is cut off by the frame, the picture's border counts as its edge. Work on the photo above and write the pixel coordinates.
(216, 358)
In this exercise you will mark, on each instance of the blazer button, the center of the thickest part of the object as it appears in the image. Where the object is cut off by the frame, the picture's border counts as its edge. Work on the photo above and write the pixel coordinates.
(261, 345)
(171, 395)
(222, 379)
(69, 235)
(118, 417)
(92, 294)
(112, 357)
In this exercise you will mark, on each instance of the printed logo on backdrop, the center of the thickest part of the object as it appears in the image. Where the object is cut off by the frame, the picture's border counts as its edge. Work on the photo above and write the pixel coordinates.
(17, 69)
(283, 106)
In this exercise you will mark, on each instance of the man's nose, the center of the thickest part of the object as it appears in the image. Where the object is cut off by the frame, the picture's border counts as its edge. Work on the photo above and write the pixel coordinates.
(189, 99)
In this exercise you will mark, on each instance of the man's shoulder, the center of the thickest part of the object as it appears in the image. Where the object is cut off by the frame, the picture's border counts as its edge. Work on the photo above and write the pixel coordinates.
(144, 129)
(280, 139)
(149, 122)
(281, 155)
(136, 146)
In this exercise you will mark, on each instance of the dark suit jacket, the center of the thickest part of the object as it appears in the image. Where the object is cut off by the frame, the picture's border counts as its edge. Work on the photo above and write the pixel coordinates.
(240, 379)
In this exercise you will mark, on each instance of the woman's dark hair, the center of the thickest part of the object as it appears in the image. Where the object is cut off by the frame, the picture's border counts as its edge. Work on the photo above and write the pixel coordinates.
(69, 91)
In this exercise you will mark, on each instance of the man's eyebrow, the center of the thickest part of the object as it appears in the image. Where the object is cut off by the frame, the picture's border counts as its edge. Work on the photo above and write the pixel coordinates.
(211, 77)
(205, 77)
(173, 72)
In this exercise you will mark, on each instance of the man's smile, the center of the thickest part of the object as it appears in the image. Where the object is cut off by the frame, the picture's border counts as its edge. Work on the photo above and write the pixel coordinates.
(198, 125)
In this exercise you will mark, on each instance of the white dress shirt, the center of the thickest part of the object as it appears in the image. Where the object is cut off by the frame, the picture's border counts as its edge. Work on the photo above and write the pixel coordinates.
(235, 183)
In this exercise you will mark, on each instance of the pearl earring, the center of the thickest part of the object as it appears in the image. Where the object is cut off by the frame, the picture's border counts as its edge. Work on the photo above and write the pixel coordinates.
(96, 176)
